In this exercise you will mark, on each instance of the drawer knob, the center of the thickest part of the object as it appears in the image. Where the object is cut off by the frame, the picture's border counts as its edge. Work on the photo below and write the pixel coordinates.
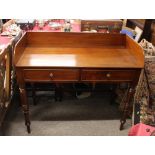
(51, 75)
(108, 75)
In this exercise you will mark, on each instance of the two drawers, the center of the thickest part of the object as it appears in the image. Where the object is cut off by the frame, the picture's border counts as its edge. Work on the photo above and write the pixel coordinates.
(70, 75)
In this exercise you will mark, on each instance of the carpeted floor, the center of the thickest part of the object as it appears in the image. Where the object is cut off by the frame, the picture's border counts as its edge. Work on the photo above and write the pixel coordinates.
(92, 116)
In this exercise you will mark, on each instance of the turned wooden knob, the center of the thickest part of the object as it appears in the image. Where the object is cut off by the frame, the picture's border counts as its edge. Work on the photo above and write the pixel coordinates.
(51, 75)
(108, 75)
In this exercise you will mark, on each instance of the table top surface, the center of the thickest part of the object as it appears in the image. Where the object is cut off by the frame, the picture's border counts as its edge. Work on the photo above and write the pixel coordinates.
(96, 57)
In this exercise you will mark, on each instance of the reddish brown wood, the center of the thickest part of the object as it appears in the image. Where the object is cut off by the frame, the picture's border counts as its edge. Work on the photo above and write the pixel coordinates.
(73, 39)
(51, 75)
(135, 50)
(76, 57)
(23, 97)
(20, 48)
(107, 75)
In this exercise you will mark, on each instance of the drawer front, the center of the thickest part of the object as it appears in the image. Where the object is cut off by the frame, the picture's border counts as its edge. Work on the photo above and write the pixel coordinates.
(51, 75)
(107, 75)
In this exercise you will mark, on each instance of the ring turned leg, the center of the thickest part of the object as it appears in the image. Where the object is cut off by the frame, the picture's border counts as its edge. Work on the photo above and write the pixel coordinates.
(25, 108)
(126, 107)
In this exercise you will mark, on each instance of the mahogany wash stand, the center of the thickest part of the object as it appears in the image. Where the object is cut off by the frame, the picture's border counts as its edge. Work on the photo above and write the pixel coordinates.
(58, 57)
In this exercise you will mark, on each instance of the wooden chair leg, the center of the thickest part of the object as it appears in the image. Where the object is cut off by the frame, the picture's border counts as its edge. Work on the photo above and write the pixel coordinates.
(58, 92)
(113, 94)
(33, 94)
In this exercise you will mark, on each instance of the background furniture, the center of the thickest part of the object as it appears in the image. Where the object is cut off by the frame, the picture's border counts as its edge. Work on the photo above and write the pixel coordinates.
(7, 76)
(105, 26)
(5, 83)
(147, 25)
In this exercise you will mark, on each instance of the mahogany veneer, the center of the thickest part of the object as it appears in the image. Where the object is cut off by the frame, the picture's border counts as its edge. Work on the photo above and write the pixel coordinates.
(59, 57)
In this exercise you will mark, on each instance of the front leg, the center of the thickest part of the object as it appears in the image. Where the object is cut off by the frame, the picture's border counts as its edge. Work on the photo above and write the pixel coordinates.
(25, 107)
(130, 93)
